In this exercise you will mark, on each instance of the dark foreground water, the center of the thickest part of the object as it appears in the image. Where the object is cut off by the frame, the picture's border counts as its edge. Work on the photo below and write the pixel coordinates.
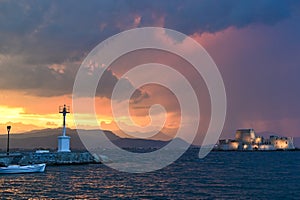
(221, 175)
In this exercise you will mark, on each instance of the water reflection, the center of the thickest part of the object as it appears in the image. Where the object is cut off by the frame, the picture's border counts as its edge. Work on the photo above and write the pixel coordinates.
(220, 175)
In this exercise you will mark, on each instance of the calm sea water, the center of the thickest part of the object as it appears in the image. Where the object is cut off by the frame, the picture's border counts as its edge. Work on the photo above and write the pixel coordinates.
(221, 175)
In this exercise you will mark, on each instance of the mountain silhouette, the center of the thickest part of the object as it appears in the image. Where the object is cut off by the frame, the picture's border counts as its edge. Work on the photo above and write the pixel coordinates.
(47, 139)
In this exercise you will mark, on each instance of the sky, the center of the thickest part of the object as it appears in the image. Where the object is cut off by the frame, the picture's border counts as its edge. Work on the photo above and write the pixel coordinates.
(255, 45)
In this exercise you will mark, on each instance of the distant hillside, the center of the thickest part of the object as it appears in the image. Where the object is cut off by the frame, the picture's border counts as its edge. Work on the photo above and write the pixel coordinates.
(159, 136)
(42, 139)
(47, 139)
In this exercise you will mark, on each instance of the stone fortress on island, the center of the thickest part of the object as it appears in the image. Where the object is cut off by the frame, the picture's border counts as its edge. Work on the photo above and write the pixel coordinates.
(246, 139)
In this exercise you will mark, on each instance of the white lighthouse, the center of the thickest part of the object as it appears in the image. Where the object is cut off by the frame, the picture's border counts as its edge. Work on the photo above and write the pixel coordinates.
(64, 141)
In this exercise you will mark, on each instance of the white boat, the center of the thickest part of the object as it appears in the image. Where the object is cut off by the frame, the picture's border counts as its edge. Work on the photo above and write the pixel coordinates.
(16, 169)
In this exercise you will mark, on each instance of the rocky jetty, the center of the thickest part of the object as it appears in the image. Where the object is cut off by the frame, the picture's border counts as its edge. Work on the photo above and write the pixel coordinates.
(50, 158)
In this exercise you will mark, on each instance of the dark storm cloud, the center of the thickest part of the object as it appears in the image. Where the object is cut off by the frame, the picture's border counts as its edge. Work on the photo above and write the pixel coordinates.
(60, 30)
(42, 33)
(106, 84)
(36, 80)
(46, 81)
(213, 15)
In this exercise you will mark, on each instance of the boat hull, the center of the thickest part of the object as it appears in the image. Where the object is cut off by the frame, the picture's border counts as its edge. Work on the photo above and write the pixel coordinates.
(16, 169)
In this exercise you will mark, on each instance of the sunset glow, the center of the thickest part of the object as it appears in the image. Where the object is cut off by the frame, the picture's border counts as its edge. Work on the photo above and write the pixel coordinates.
(262, 90)
(160, 99)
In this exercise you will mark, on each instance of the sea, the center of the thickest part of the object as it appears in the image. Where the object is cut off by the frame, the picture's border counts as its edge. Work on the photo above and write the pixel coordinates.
(220, 175)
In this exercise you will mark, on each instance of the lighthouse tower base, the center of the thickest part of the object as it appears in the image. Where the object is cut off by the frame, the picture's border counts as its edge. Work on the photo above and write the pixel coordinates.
(63, 144)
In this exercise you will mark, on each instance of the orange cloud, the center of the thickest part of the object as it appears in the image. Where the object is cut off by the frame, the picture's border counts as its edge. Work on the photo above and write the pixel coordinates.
(18, 127)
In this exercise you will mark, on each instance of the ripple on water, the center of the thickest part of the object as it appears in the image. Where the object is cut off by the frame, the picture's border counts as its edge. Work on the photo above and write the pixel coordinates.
(237, 175)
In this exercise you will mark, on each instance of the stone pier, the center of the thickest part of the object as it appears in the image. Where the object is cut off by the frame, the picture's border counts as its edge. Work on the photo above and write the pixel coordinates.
(50, 158)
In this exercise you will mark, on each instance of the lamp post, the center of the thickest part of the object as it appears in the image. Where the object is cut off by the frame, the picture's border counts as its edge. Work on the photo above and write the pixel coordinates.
(8, 130)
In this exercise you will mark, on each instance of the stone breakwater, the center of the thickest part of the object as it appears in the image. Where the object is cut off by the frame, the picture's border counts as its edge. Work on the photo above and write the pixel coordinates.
(51, 158)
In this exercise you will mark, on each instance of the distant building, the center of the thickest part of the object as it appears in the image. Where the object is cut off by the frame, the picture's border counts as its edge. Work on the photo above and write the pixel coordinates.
(246, 139)
(282, 142)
